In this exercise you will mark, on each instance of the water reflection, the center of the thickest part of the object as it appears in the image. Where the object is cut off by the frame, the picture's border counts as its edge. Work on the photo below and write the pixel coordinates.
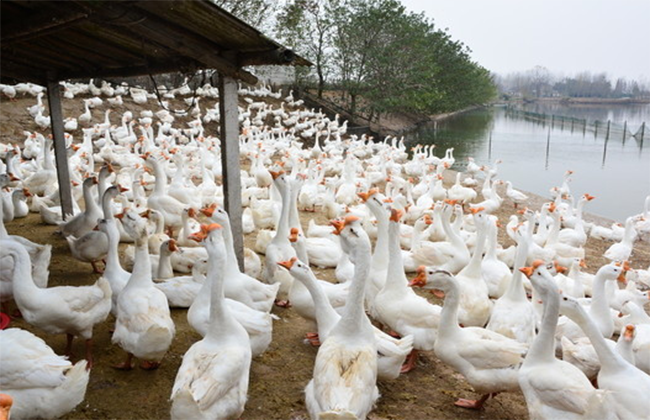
(535, 153)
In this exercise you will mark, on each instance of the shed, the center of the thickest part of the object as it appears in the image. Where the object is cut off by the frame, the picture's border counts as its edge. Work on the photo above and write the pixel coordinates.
(46, 42)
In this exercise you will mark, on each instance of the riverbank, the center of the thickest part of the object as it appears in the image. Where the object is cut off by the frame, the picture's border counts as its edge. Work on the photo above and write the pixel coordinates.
(393, 124)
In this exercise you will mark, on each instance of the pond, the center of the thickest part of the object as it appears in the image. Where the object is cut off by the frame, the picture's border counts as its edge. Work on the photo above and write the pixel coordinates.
(538, 143)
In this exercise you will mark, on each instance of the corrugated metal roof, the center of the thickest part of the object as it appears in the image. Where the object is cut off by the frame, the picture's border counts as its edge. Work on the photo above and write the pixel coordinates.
(68, 39)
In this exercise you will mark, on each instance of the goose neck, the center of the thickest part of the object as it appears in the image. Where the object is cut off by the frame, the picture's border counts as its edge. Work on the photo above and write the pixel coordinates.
(449, 314)
(353, 317)
(141, 275)
(543, 347)
(221, 321)
(112, 258)
(474, 266)
(396, 280)
(282, 231)
(23, 284)
(609, 359)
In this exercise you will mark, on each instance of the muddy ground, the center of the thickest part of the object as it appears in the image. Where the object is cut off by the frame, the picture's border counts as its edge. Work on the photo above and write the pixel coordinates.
(279, 376)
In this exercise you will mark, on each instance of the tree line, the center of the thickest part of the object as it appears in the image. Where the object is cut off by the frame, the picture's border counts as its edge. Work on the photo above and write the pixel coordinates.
(540, 82)
(381, 57)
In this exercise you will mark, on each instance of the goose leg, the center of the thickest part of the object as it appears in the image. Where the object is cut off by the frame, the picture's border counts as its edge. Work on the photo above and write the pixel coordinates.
(411, 361)
(89, 353)
(68, 347)
(313, 339)
(126, 365)
(149, 365)
(282, 303)
(473, 404)
(95, 268)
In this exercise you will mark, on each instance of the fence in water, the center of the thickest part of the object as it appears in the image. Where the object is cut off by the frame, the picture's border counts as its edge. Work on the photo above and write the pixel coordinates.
(607, 129)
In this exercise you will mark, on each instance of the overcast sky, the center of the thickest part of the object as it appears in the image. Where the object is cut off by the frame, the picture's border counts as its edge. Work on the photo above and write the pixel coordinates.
(565, 36)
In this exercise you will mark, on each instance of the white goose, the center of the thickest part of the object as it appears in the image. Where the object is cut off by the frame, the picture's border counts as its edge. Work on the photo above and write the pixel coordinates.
(628, 385)
(397, 306)
(344, 384)
(488, 360)
(554, 388)
(143, 327)
(258, 324)
(69, 310)
(41, 383)
(212, 381)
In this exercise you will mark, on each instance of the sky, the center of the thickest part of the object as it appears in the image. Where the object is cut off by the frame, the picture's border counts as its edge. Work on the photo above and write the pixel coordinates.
(565, 36)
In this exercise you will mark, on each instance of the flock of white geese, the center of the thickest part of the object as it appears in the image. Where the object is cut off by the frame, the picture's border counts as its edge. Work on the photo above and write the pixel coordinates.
(524, 317)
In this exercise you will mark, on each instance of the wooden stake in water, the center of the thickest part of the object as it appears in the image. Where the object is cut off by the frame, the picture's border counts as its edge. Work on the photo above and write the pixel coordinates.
(548, 148)
(596, 130)
(608, 124)
(624, 131)
(584, 127)
(490, 147)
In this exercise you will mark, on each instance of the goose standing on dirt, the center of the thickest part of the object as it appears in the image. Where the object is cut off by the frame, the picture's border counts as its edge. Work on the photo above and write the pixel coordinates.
(69, 310)
(144, 327)
(488, 360)
(554, 388)
(344, 384)
(212, 382)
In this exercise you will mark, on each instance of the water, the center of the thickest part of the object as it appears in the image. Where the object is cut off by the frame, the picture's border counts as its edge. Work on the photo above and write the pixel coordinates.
(535, 155)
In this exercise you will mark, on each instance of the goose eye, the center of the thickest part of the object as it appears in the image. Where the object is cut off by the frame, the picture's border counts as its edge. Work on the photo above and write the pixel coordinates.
(565, 298)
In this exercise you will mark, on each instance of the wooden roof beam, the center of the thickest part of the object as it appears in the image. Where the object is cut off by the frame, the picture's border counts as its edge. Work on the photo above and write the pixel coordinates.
(178, 40)
(154, 68)
(42, 24)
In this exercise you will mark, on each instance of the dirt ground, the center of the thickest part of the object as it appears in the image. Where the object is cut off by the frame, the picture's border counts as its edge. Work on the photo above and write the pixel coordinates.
(279, 376)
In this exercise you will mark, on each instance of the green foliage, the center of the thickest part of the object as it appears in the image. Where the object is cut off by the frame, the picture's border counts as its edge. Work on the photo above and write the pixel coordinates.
(383, 57)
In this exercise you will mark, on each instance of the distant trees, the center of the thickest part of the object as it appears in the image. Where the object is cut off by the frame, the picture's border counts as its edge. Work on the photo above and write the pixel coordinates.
(382, 57)
(539, 82)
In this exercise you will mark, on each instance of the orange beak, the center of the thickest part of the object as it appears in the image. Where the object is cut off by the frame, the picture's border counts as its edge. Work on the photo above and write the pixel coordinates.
(122, 189)
(26, 192)
(203, 233)
(421, 279)
(146, 214)
(288, 264)
(208, 211)
(293, 237)
(364, 196)
(559, 268)
(583, 264)
(628, 334)
(475, 210)
(396, 215)
(552, 207)
(275, 175)
(528, 271)
(110, 167)
(350, 219)
(589, 197)
(172, 245)
(428, 220)
(191, 212)
(338, 226)
(451, 202)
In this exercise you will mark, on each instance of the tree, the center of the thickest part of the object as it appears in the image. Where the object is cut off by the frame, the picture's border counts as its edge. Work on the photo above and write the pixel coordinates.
(308, 26)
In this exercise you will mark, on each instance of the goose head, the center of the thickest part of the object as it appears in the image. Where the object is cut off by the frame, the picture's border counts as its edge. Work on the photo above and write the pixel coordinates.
(432, 279)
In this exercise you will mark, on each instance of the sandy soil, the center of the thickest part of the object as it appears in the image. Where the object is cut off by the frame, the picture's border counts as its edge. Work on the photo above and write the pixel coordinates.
(279, 376)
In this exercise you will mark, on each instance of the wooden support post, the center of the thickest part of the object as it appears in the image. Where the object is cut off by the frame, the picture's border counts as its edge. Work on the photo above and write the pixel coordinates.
(596, 130)
(624, 131)
(584, 127)
(60, 153)
(642, 130)
(609, 123)
(229, 135)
